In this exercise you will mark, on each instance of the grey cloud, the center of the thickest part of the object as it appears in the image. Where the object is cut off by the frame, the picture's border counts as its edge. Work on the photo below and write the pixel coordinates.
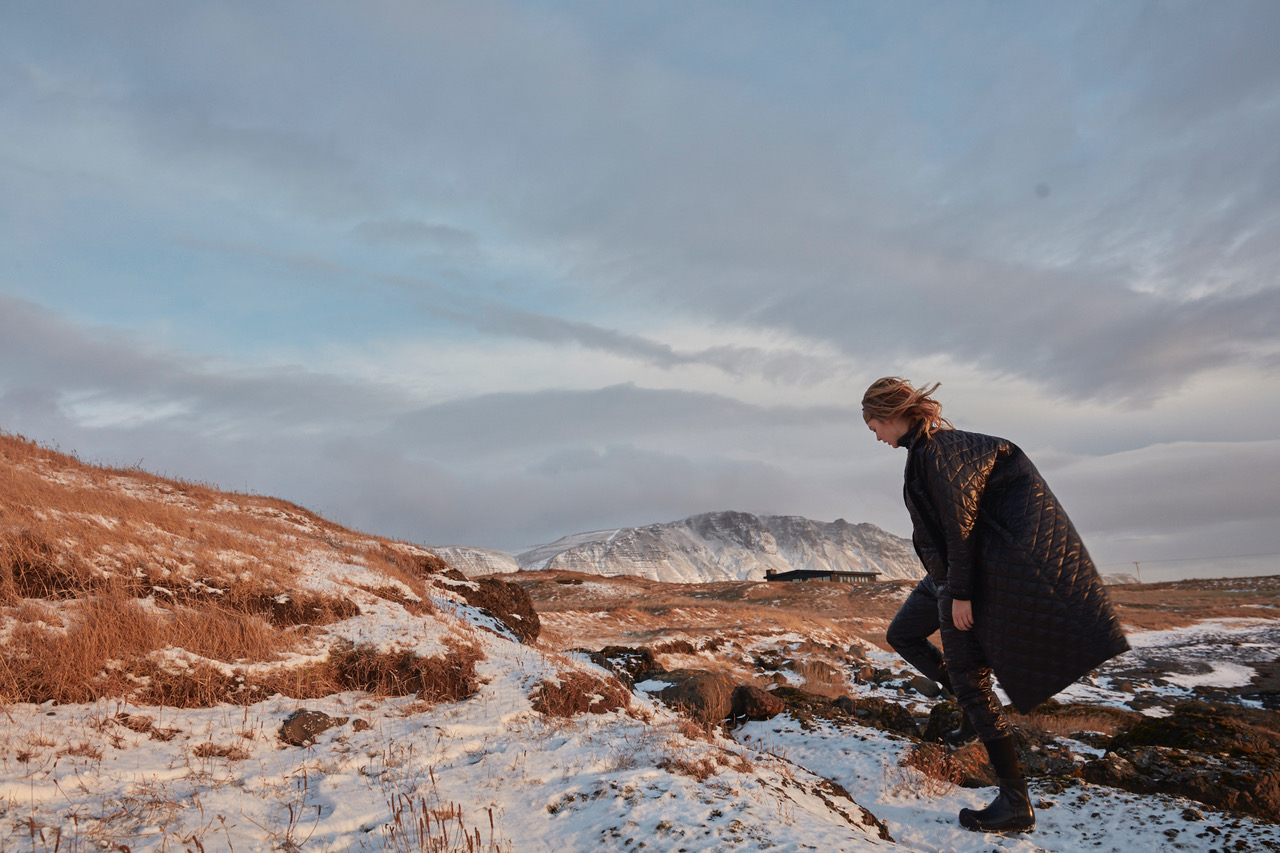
(680, 188)
(503, 470)
(859, 177)
(48, 362)
(410, 232)
(376, 488)
(496, 423)
(1128, 501)
(1190, 60)
(776, 365)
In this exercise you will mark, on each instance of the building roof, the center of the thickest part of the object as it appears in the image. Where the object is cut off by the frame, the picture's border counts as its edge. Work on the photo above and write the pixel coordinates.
(814, 574)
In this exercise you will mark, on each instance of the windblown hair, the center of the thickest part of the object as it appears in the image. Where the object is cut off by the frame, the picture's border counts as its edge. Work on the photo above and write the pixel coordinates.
(893, 397)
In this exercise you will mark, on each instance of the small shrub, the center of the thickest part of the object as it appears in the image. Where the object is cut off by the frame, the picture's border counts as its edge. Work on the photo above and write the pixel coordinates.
(674, 647)
(927, 771)
(693, 730)
(196, 686)
(701, 768)
(217, 750)
(31, 568)
(572, 693)
(87, 661)
(450, 677)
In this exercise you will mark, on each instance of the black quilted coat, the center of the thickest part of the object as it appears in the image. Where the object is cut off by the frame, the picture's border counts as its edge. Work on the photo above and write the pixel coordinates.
(987, 526)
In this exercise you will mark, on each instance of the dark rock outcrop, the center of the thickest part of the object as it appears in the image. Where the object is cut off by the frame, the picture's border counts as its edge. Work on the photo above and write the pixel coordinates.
(879, 713)
(1221, 755)
(509, 603)
(631, 665)
(752, 703)
(704, 696)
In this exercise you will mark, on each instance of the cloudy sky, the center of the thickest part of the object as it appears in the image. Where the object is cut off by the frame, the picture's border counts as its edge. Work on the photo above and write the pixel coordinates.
(491, 273)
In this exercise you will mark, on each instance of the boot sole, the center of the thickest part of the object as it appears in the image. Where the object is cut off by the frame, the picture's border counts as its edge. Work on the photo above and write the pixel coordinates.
(968, 821)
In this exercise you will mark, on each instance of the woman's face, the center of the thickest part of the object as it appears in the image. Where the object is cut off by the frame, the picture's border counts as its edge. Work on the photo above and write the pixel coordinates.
(889, 431)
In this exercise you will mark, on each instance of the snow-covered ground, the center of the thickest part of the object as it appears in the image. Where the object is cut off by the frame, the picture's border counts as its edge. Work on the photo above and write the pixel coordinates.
(117, 777)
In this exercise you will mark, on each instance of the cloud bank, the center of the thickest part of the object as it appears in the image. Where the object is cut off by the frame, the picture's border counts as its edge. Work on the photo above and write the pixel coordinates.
(492, 273)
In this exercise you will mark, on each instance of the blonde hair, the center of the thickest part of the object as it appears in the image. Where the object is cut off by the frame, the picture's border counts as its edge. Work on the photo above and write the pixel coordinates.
(893, 397)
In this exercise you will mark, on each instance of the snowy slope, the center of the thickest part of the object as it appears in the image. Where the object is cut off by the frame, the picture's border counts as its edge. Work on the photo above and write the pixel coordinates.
(473, 561)
(729, 546)
(87, 777)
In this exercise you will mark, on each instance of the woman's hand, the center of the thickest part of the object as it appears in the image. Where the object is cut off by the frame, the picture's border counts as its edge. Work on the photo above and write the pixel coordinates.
(962, 614)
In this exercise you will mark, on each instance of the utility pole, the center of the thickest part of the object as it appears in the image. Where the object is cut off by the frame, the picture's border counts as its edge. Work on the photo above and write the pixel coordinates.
(1138, 569)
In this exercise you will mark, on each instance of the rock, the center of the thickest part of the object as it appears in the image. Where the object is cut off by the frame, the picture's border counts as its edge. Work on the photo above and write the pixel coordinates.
(705, 696)
(926, 687)
(878, 713)
(752, 703)
(945, 717)
(629, 663)
(302, 727)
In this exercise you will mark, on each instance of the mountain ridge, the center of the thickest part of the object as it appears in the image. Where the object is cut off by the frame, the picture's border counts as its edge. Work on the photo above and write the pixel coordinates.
(727, 545)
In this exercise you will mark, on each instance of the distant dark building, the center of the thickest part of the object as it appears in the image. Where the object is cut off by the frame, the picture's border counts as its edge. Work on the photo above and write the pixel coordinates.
(830, 576)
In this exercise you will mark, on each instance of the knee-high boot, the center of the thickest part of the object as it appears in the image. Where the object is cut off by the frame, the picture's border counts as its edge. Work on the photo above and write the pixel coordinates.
(1011, 810)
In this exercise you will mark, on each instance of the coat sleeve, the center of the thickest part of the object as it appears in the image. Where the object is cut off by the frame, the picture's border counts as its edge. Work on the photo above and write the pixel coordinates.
(955, 476)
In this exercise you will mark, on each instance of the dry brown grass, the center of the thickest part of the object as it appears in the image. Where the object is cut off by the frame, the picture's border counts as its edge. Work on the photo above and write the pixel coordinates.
(927, 771)
(1067, 722)
(68, 524)
(226, 635)
(450, 677)
(84, 662)
(417, 826)
(821, 679)
(571, 693)
(218, 750)
(699, 768)
(103, 570)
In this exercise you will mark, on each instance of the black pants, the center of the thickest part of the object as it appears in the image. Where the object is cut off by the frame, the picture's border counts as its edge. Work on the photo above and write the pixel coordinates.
(961, 666)
(911, 628)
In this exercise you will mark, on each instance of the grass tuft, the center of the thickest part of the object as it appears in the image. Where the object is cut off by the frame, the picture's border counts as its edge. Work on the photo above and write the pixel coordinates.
(572, 693)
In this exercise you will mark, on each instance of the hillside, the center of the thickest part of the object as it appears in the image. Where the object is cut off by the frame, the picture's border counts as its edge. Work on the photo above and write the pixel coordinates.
(160, 638)
(189, 669)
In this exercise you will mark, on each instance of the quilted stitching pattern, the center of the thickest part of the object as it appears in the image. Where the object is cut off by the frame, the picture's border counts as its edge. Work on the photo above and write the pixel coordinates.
(987, 526)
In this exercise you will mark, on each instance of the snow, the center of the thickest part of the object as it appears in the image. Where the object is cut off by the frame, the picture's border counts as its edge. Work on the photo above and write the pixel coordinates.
(88, 777)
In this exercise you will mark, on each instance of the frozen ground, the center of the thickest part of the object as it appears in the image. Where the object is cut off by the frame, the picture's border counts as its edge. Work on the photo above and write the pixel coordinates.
(91, 777)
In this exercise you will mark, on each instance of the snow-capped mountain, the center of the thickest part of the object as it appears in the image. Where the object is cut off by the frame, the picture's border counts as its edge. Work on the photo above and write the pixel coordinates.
(473, 561)
(726, 546)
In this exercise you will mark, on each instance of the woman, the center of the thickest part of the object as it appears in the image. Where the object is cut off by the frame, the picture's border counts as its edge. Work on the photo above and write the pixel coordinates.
(1018, 596)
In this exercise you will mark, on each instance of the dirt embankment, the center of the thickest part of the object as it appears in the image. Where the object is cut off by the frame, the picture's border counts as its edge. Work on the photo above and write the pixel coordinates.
(1177, 604)
(626, 610)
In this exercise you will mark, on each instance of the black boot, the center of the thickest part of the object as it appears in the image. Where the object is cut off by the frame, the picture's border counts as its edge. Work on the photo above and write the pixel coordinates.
(962, 735)
(1010, 811)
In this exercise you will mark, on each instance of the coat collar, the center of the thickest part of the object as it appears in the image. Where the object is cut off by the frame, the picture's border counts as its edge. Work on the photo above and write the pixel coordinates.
(912, 436)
